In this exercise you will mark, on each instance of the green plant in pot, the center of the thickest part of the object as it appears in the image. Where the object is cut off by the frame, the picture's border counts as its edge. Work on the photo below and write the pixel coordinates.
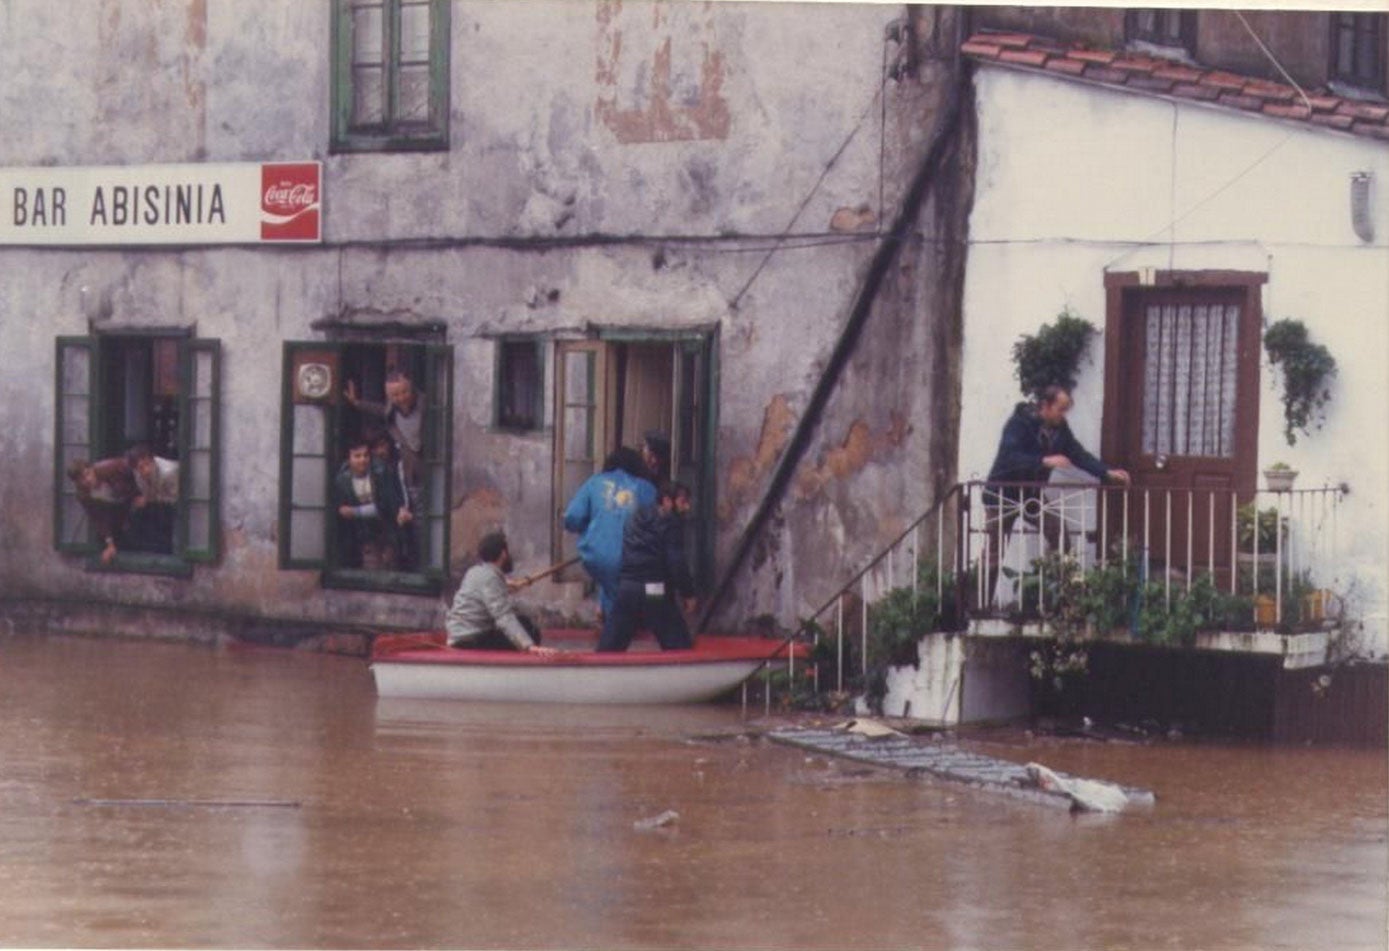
(1269, 524)
(1052, 355)
(1308, 369)
(1279, 477)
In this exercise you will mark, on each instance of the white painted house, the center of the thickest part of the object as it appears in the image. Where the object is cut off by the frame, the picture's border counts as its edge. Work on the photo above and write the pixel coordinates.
(1109, 200)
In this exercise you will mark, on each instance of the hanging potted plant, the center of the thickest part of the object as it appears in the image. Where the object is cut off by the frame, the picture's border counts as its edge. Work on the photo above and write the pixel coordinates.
(1280, 477)
(1307, 372)
(1052, 355)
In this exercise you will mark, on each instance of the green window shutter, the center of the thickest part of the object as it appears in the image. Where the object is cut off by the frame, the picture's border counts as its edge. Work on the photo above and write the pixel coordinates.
(200, 483)
(310, 389)
(390, 81)
(75, 418)
(437, 460)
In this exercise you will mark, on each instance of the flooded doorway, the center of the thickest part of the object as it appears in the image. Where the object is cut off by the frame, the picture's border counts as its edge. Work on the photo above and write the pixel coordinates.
(610, 392)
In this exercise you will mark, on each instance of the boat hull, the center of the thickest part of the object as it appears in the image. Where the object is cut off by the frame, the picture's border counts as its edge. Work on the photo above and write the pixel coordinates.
(714, 667)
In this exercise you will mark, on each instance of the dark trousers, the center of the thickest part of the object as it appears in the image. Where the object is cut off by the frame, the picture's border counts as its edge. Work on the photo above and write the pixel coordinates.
(151, 529)
(495, 640)
(633, 608)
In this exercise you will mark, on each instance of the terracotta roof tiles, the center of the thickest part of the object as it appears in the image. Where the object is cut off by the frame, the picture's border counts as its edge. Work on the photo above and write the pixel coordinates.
(1153, 75)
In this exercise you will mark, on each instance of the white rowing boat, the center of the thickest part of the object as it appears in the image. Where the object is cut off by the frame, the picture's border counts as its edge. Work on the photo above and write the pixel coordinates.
(420, 667)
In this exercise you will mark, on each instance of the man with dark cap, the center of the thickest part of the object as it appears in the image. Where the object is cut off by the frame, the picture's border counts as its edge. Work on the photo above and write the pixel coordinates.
(655, 455)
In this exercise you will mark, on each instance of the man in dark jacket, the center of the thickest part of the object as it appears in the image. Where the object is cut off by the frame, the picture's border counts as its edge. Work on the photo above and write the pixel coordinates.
(369, 507)
(654, 570)
(1035, 441)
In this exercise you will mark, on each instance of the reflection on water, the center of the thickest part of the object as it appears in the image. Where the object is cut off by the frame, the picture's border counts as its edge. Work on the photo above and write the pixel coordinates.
(429, 824)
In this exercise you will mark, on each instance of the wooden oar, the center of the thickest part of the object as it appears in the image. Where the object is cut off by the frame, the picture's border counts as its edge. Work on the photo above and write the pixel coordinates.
(529, 580)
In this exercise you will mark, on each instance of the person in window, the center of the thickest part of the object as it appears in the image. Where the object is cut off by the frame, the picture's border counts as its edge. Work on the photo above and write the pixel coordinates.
(1036, 440)
(153, 508)
(403, 414)
(105, 490)
(482, 616)
(402, 533)
(368, 505)
(654, 571)
(598, 513)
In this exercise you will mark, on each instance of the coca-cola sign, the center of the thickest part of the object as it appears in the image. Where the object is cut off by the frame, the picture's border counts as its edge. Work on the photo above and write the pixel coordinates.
(290, 202)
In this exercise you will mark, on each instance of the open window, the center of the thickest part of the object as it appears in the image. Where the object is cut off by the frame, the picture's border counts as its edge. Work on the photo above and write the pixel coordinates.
(396, 399)
(611, 392)
(153, 391)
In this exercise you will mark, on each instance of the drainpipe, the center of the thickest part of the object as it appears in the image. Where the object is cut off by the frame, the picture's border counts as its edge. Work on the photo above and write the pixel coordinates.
(883, 259)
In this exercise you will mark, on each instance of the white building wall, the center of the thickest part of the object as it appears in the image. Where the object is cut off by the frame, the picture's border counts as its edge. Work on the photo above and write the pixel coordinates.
(1077, 180)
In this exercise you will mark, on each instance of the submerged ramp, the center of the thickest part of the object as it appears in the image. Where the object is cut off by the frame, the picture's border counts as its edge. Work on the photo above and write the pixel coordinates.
(945, 761)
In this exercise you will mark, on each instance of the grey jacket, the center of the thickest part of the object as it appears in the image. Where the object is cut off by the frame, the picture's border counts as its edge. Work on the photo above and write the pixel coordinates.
(483, 604)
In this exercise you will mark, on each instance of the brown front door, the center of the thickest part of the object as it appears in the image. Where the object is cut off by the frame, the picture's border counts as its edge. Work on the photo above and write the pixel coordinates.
(1181, 415)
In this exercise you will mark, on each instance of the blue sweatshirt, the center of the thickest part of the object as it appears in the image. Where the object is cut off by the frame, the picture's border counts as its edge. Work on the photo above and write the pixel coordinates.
(598, 513)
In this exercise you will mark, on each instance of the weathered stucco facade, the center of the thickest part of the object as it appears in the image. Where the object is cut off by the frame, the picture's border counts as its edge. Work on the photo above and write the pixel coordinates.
(724, 168)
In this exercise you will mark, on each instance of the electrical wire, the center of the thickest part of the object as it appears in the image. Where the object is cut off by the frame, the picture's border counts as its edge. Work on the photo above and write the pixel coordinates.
(733, 304)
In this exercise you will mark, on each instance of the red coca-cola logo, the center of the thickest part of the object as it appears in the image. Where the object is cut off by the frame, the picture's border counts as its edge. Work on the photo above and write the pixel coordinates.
(290, 203)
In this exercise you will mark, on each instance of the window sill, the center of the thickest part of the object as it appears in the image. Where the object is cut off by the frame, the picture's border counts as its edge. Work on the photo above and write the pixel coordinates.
(347, 145)
(142, 563)
(388, 582)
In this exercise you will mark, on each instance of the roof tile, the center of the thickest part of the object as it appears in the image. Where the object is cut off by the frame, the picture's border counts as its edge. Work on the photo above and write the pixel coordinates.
(1178, 73)
(1196, 91)
(1335, 122)
(1064, 64)
(1104, 74)
(1371, 128)
(1266, 90)
(1092, 56)
(1363, 110)
(1295, 111)
(1252, 103)
(1024, 57)
(1224, 80)
(976, 47)
(1141, 72)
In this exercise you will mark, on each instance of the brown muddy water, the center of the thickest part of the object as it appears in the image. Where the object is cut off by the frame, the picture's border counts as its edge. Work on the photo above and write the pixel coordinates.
(351, 822)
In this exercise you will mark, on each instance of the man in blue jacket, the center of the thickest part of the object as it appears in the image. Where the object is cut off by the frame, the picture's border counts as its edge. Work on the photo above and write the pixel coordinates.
(1036, 440)
(598, 513)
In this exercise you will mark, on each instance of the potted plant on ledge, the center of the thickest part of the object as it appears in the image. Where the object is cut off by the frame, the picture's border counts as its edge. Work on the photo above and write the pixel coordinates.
(1279, 477)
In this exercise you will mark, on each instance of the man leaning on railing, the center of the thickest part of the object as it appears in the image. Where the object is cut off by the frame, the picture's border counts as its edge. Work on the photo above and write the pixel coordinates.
(1036, 439)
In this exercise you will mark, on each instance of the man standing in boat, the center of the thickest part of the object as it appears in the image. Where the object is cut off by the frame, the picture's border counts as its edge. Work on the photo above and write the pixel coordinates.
(482, 616)
(654, 571)
(599, 512)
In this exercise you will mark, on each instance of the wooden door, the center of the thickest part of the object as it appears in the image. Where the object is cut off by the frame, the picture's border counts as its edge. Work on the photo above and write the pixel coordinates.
(1186, 421)
(583, 406)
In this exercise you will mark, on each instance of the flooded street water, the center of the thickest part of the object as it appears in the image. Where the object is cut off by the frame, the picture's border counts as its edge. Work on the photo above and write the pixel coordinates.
(291, 808)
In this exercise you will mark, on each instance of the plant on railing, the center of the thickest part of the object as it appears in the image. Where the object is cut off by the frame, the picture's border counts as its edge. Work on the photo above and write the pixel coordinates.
(1053, 354)
(1307, 371)
(1268, 522)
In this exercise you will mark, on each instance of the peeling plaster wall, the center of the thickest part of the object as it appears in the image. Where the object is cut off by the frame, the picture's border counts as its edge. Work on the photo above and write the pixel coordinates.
(678, 137)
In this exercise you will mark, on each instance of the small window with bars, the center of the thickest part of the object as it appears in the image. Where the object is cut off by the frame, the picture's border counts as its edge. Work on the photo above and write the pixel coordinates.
(520, 394)
(1162, 27)
(1357, 49)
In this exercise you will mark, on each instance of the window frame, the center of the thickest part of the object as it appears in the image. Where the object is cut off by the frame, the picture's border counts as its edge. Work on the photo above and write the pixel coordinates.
(437, 386)
(391, 135)
(499, 364)
(1186, 29)
(180, 562)
(1347, 74)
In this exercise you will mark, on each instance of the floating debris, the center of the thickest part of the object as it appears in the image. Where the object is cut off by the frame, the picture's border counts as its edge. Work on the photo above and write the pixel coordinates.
(667, 818)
